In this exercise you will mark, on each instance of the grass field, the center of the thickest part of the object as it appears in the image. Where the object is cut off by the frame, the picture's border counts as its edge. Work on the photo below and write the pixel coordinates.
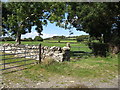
(74, 46)
(60, 40)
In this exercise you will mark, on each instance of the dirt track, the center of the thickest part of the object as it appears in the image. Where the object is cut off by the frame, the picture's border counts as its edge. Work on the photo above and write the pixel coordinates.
(58, 81)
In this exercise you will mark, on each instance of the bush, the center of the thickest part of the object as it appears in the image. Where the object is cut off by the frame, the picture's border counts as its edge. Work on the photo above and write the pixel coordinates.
(79, 39)
(38, 38)
(8, 39)
(99, 49)
(82, 38)
(28, 39)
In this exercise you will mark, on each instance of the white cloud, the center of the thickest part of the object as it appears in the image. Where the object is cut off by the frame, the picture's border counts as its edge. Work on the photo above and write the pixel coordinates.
(33, 34)
(30, 35)
(45, 35)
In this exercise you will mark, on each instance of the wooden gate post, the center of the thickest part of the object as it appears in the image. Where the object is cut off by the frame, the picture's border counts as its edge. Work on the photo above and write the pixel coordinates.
(39, 53)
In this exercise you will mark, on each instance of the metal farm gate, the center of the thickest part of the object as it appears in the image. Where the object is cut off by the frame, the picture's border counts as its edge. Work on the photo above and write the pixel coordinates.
(14, 57)
(79, 51)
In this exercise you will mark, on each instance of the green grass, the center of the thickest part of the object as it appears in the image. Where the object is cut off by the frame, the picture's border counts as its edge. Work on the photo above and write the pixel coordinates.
(82, 45)
(90, 67)
(86, 68)
(60, 40)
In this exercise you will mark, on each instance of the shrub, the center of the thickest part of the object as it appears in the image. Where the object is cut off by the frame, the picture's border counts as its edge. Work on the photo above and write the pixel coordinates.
(99, 49)
(28, 39)
(38, 38)
(82, 38)
(8, 39)
(79, 39)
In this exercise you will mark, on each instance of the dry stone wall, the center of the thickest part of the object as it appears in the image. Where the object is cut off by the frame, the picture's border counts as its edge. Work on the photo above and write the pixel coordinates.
(32, 51)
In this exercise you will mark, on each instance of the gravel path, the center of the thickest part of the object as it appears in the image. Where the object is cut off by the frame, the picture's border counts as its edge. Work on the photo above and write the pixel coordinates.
(58, 81)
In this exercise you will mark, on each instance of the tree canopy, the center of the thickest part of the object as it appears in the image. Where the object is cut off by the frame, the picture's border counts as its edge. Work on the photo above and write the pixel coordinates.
(97, 19)
(19, 17)
(94, 18)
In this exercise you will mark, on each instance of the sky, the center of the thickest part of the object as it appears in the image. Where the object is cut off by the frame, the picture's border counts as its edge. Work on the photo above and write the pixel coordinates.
(52, 30)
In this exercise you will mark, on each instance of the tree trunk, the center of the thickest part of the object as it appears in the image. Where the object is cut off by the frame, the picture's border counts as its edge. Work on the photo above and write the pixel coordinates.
(18, 38)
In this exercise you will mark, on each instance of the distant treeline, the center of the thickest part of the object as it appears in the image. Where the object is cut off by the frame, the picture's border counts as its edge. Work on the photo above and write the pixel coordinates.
(58, 38)
(69, 38)
(37, 38)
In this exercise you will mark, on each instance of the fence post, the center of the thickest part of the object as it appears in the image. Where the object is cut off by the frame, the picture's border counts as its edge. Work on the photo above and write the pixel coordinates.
(4, 56)
(39, 53)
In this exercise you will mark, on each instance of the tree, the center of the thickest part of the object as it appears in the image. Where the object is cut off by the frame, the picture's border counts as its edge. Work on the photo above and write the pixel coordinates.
(94, 18)
(21, 16)
(38, 38)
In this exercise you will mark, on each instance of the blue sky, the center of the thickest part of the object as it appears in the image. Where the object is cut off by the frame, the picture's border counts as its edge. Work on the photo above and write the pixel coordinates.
(53, 30)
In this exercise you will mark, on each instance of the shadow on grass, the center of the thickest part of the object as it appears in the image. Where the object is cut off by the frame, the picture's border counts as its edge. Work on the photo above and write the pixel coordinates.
(7, 71)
